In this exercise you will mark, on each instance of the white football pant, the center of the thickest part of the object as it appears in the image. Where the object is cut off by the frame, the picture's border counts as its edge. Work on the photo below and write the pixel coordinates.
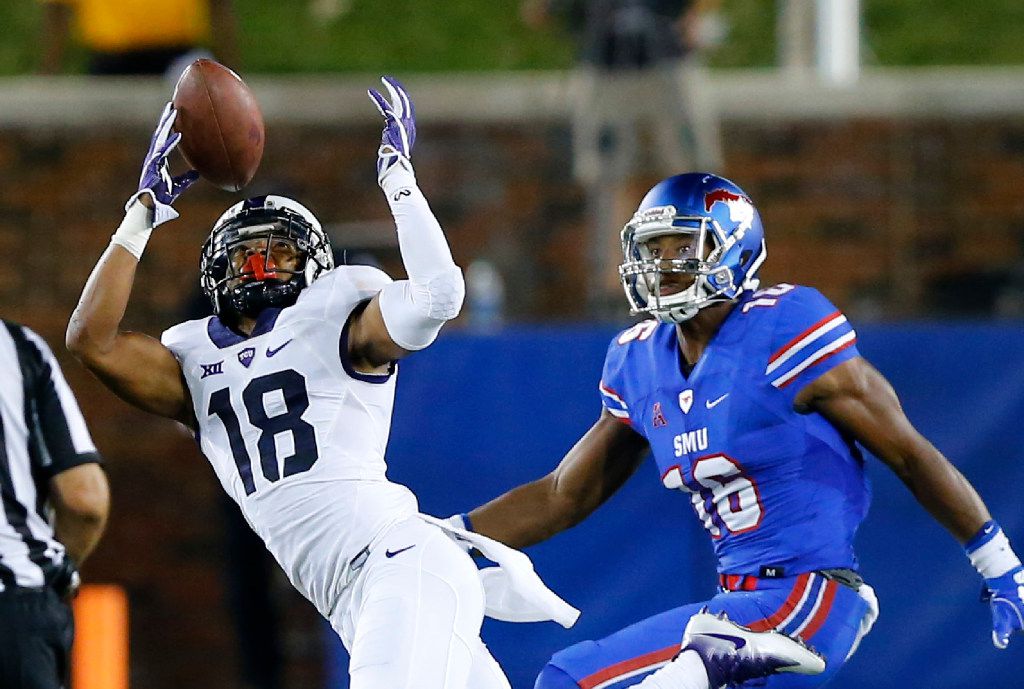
(412, 617)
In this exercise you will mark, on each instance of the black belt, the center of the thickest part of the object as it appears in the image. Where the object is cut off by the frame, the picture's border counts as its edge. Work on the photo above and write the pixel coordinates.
(748, 582)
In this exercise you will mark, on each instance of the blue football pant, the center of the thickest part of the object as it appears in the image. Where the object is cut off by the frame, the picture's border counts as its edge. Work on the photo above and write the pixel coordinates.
(827, 615)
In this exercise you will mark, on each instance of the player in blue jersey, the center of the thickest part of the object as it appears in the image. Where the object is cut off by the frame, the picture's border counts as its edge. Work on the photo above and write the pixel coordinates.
(755, 405)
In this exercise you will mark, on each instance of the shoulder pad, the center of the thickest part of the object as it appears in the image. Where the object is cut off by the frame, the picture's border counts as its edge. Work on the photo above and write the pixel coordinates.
(181, 336)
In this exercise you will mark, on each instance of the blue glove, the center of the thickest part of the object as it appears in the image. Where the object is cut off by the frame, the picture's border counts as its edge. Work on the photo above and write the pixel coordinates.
(399, 127)
(1005, 594)
(156, 179)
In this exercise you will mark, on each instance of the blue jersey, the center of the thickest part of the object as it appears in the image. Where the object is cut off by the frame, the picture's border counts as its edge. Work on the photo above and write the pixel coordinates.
(773, 488)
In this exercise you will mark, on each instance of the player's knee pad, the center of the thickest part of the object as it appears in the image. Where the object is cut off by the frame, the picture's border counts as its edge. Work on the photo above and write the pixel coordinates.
(553, 677)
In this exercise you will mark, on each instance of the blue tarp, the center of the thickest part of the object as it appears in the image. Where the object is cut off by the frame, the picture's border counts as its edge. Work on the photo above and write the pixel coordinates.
(477, 415)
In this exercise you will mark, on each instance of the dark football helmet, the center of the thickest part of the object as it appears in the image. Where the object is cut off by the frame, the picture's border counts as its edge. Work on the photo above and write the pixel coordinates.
(246, 287)
(727, 238)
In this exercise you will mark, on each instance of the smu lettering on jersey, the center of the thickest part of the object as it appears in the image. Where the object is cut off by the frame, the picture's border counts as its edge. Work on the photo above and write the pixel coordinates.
(295, 435)
(772, 487)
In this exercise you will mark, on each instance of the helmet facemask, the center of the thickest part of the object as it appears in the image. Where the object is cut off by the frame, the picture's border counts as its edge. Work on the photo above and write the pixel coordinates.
(239, 271)
(643, 273)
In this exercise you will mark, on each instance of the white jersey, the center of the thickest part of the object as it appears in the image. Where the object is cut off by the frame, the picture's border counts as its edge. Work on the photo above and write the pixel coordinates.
(295, 435)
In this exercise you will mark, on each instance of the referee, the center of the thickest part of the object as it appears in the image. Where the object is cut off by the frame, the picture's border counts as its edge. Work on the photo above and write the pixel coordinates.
(55, 500)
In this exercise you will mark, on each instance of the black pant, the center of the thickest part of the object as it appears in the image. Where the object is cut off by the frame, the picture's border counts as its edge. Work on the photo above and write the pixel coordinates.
(36, 630)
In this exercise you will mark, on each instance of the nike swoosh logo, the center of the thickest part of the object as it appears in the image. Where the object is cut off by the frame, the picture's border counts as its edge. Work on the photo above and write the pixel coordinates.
(711, 404)
(272, 352)
(392, 553)
(736, 641)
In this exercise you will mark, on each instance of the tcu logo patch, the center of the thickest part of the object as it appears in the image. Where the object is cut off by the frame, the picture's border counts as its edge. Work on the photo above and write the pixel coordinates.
(686, 400)
(245, 356)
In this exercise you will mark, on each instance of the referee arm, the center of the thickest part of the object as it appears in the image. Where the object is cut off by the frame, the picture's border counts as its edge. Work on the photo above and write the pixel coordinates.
(81, 503)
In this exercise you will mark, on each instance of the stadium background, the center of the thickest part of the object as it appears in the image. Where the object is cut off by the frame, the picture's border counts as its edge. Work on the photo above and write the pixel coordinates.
(899, 197)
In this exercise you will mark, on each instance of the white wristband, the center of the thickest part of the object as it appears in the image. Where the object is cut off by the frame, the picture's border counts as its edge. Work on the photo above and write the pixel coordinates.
(133, 232)
(994, 558)
(397, 177)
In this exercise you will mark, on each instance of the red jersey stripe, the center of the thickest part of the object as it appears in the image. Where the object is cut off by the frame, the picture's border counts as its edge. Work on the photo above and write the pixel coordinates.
(823, 610)
(823, 358)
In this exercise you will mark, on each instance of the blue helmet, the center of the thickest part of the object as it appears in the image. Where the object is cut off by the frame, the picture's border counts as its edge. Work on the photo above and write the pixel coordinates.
(728, 246)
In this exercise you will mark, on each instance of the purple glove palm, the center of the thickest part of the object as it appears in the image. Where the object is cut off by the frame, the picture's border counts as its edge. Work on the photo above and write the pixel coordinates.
(156, 179)
(399, 133)
(1005, 594)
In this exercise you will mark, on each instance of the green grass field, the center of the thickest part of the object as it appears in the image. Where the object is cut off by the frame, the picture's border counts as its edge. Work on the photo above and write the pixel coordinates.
(480, 35)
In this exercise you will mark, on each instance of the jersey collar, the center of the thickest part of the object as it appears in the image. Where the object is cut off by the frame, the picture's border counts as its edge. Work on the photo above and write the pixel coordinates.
(224, 337)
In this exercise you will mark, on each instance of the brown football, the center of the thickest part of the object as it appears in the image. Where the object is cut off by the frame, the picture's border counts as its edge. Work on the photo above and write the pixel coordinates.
(220, 123)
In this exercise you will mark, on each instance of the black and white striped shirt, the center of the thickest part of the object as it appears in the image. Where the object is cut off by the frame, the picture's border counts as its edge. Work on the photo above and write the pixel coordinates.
(42, 433)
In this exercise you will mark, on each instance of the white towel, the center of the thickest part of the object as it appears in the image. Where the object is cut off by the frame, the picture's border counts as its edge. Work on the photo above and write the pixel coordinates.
(512, 591)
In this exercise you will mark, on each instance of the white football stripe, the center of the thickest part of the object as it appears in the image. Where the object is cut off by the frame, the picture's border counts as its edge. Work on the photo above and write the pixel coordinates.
(814, 358)
(806, 340)
(406, 105)
(812, 613)
(800, 603)
(608, 393)
(396, 101)
(618, 413)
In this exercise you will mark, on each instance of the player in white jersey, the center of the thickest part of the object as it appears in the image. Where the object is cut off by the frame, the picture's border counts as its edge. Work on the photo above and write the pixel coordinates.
(289, 389)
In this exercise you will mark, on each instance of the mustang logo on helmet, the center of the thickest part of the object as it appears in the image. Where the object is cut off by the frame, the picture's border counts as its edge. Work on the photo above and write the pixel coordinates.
(741, 209)
(726, 234)
(246, 287)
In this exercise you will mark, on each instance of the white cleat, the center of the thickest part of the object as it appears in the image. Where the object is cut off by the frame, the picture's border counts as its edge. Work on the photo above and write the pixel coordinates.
(733, 654)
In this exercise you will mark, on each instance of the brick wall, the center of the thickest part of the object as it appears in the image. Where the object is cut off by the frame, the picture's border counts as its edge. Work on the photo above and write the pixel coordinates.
(881, 215)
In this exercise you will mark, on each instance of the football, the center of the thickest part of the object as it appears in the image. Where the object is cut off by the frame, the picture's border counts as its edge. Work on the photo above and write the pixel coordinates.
(220, 123)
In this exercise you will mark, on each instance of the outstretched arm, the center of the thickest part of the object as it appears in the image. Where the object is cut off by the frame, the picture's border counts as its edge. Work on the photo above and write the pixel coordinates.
(859, 401)
(135, 366)
(138, 368)
(597, 466)
(408, 314)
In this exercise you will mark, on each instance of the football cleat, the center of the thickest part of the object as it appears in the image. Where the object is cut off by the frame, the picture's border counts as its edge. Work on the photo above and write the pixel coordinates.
(733, 654)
